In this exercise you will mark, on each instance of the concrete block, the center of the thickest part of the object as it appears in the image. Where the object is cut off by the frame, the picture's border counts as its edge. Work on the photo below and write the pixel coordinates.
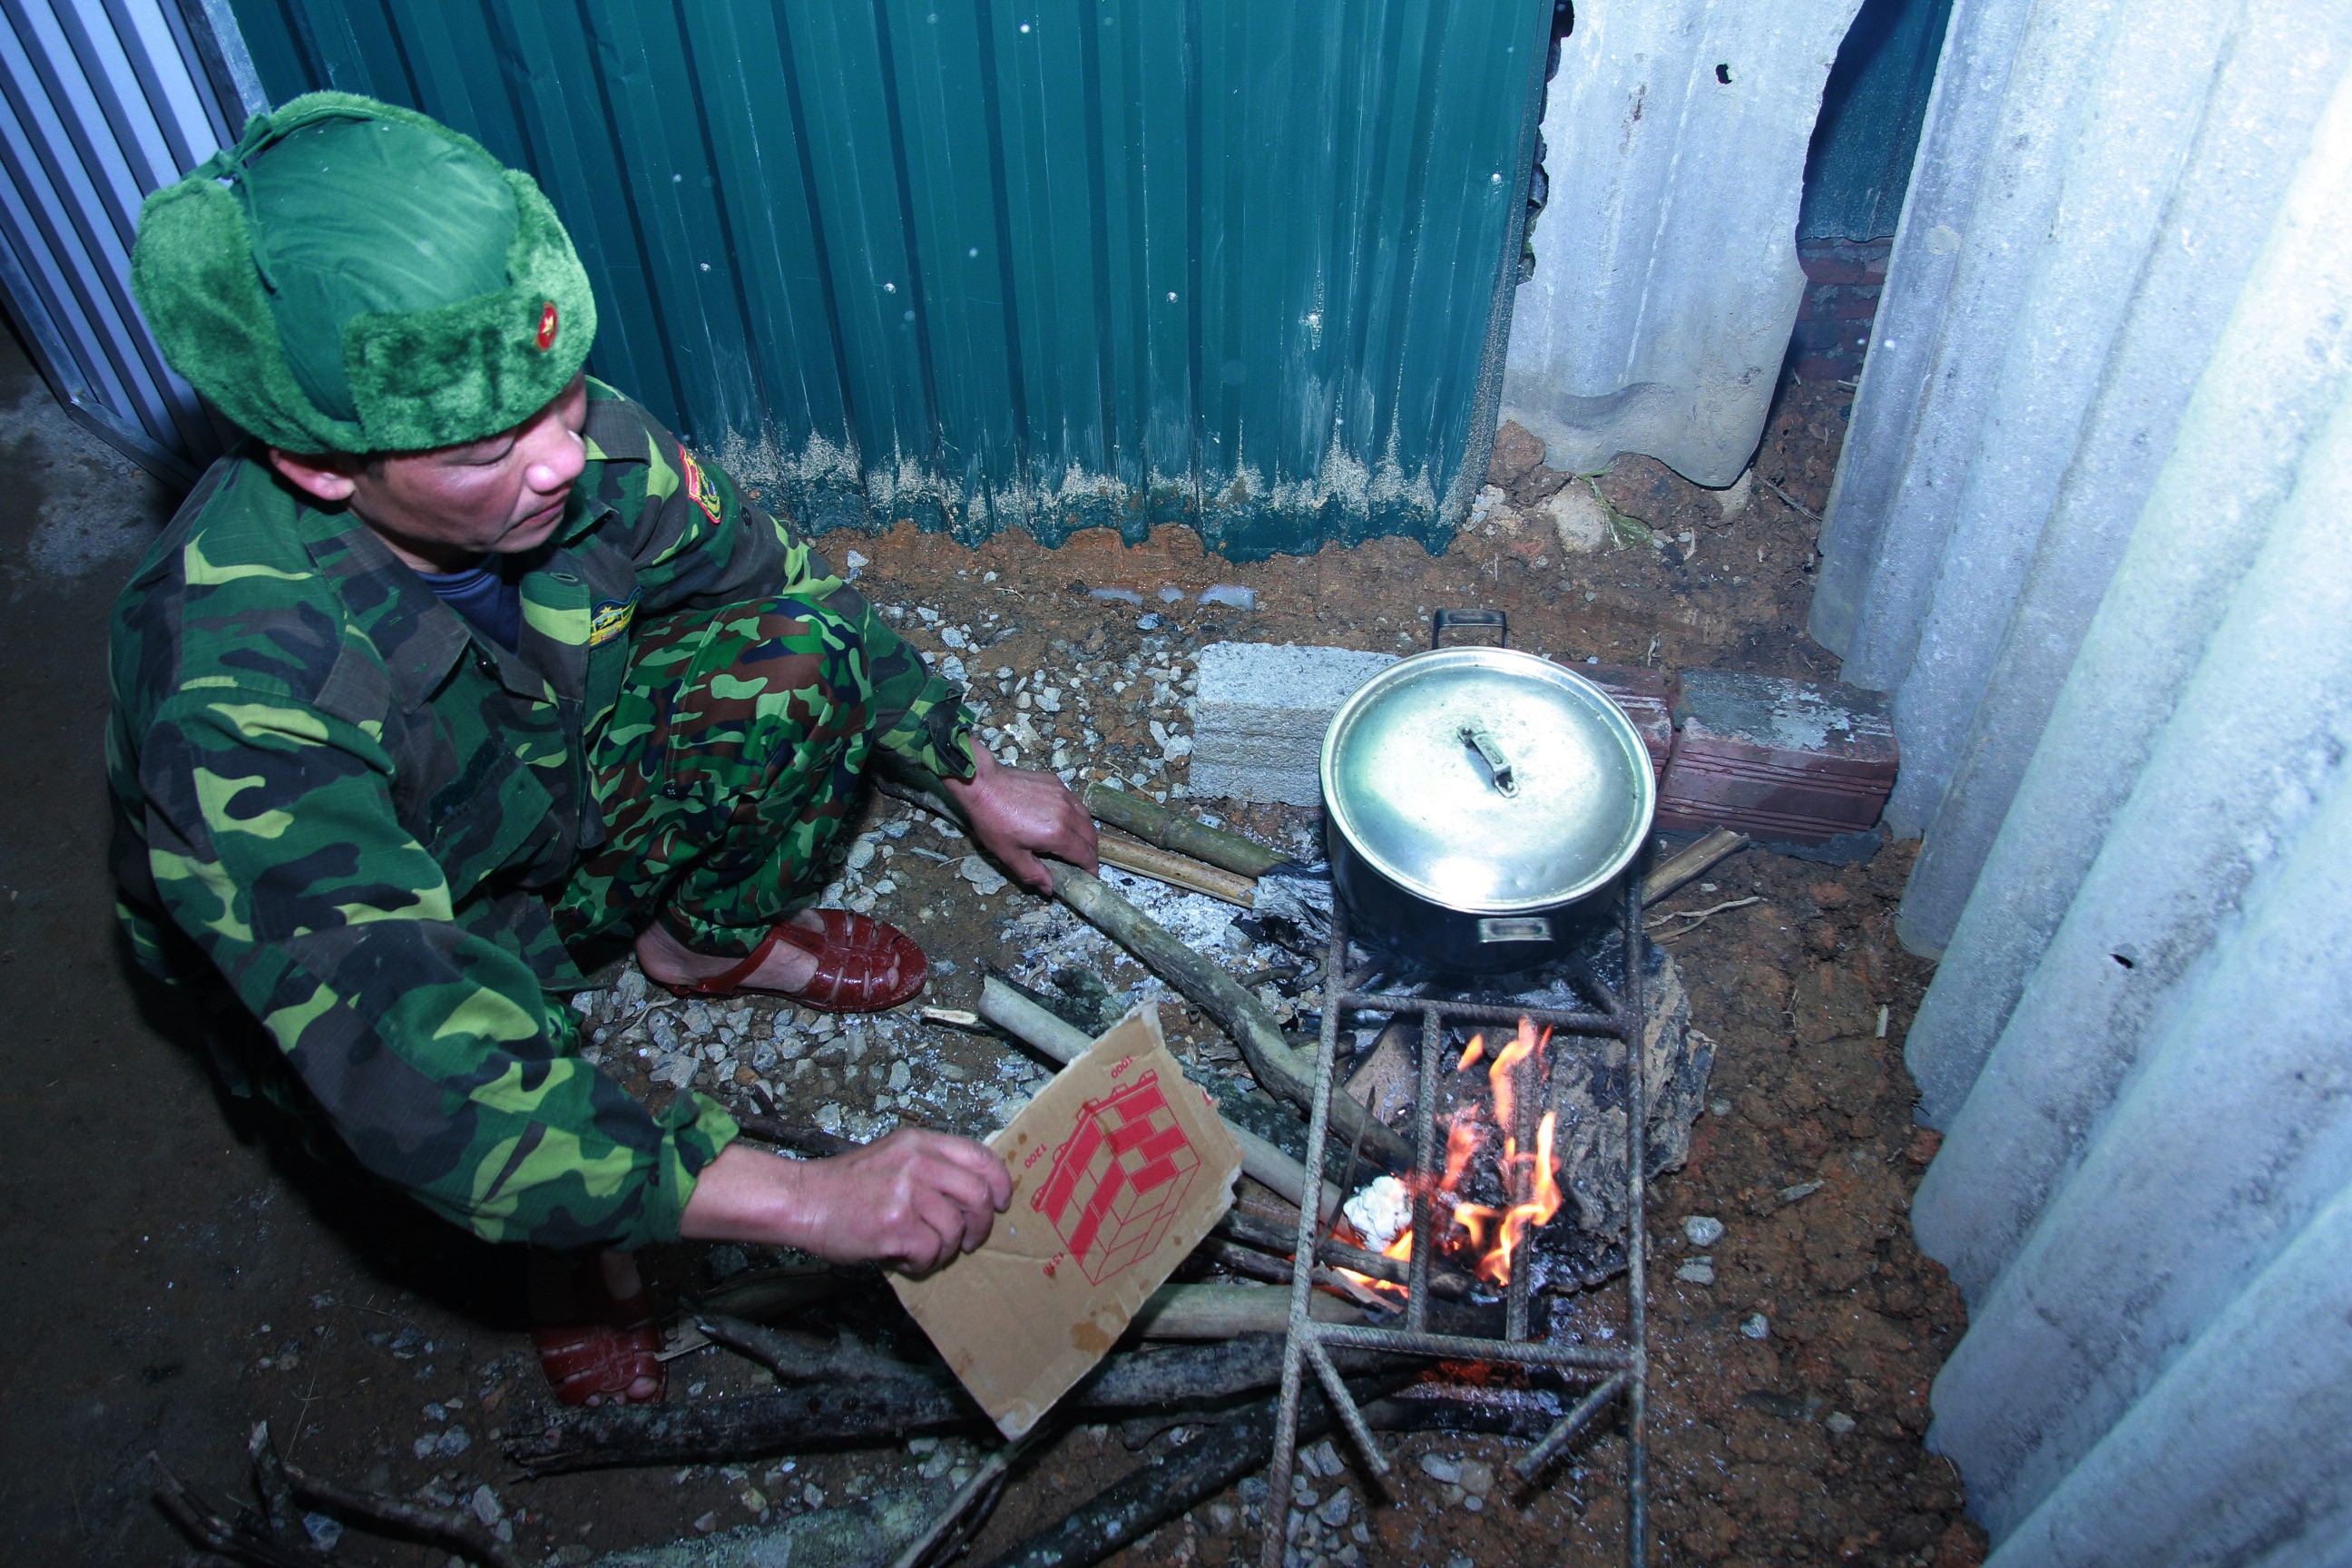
(1260, 714)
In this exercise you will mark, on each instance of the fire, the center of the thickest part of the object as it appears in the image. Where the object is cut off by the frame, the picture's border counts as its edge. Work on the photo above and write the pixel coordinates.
(1530, 1177)
(1499, 1076)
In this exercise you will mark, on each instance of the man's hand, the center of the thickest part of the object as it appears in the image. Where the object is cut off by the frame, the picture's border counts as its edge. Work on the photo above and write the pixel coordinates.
(911, 1201)
(1018, 816)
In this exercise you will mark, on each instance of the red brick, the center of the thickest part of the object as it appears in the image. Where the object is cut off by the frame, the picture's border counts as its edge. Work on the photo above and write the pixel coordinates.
(1646, 697)
(1799, 761)
(1824, 267)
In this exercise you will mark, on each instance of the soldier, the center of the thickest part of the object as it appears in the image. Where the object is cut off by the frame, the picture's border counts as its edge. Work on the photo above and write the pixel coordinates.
(462, 664)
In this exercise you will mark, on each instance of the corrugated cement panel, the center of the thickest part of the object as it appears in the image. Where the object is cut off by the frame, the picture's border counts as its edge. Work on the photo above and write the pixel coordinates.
(1061, 264)
(2089, 529)
(1665, 279)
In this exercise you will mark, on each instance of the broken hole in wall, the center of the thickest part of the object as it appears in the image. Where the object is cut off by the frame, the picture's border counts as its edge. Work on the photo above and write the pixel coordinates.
(1563, 22)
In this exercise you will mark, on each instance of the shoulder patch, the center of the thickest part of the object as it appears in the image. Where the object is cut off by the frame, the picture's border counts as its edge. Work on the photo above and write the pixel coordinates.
(699, 489)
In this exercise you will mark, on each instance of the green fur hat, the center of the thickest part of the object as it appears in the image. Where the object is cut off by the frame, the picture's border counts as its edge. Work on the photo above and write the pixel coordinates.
(352, 277)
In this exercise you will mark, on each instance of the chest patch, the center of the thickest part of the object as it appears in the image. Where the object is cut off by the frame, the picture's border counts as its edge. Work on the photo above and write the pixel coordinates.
(611, 618)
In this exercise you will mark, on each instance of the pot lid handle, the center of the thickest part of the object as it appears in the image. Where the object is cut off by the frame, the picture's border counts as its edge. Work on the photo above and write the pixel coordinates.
(1445, 621)
(1498, 764)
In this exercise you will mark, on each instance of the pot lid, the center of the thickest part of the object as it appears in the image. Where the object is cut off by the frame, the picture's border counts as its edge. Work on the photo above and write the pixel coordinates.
(1487, 781)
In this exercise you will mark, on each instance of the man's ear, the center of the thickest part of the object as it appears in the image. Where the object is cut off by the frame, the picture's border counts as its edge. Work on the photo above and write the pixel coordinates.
(330, 477)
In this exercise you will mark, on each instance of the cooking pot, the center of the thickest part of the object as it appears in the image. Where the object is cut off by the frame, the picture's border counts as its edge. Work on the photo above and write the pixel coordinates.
(1482, 804)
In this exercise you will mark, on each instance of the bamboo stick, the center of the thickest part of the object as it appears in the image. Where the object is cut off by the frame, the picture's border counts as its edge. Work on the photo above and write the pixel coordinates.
(1719, 844)
(1221, 1312)
(1155, 824)
(1176, 870)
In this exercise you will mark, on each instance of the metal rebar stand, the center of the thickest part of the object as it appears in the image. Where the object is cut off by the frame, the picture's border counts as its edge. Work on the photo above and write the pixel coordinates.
(1620, 1372)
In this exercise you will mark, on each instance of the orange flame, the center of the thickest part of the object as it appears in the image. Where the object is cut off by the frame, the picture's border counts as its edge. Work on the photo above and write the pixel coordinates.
(1494, 1234)
(1500, 1076)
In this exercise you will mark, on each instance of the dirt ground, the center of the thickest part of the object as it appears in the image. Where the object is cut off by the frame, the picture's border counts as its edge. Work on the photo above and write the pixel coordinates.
(176, 1274)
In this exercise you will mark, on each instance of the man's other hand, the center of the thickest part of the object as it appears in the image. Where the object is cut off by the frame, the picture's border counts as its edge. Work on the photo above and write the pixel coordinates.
(1018, 816)
(911, 1201)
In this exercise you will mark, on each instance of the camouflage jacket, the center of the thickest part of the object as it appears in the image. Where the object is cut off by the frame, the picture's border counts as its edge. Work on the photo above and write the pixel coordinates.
(329, 788)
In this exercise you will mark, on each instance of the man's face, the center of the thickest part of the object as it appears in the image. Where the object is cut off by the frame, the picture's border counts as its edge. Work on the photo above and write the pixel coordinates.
(441, 509)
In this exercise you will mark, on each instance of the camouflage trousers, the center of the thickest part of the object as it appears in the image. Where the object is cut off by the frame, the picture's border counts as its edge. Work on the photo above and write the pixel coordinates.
(726, 770)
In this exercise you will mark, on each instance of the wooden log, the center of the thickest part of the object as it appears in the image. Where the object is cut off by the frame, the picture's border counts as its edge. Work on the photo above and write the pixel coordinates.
(805, 1358)
(1165, 1487)
(1282, 1070)
(812, 1415)
(1156, 825)
(1270, 1236)
(1719, 844)
(1176, 870)
(1017, 1015)
(749, 1426)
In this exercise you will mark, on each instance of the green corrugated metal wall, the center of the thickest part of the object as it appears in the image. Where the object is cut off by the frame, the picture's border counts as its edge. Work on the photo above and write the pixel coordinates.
(1058, 263)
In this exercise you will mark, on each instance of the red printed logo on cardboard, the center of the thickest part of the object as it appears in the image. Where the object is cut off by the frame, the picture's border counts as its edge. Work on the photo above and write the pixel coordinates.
(1118, 1179)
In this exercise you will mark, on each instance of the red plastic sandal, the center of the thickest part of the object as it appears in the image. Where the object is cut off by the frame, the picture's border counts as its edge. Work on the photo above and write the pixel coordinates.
(599, 1360)
(855, 954)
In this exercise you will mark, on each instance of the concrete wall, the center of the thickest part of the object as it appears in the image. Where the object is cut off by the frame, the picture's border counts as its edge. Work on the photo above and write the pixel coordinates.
(1666, 277)
(2090, 531)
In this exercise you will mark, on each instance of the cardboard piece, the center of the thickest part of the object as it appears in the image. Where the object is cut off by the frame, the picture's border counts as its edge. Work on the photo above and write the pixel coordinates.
(1119, 1167)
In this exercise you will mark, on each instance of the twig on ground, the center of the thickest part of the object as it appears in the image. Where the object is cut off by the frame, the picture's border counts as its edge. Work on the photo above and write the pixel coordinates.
(277, 1511)
(1157, 1379)
(1280, 1068)
(811, 1416)
(1253, 1264)
(1793, 504)
(458, 1532)
(216, 1534)
(1698, 918)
